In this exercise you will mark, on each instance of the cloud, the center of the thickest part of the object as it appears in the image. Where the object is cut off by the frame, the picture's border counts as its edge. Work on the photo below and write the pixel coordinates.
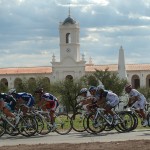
(29, 29)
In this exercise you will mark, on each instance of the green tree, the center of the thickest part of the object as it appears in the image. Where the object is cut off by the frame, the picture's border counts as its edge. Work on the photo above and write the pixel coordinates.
(110, 80)
(89, 79)
(67, 91)
(3, 88)
(146, 92)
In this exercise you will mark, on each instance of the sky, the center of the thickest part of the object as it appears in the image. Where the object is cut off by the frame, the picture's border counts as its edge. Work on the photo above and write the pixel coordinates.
(29, 30)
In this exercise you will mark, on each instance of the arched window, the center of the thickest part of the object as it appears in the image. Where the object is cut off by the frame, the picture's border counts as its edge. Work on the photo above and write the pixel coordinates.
(17, 82)
(32, 81)
(4, 81)
(31, 84)
(69, 77)
(46, 80)
(68, 38)
(148, 81)
(135, 81)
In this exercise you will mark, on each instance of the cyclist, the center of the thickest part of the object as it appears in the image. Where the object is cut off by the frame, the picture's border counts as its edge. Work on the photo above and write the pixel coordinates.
(92, 90)
(10, 101)
(87, 100)
(23, 99)
(48, 102)
(7, 104)
(138, 101)
(109, 99)
(94, 95)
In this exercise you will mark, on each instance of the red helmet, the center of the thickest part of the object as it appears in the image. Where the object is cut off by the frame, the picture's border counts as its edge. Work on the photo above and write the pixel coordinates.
(128, 87)
(39, 90)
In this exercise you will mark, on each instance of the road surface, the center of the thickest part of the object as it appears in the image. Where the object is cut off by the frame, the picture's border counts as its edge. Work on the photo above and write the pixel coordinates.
(75, 137)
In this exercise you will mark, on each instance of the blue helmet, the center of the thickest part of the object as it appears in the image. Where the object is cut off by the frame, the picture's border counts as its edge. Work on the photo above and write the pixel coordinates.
(83, 90)
(11, 91)
(100, 87)
(92, 88)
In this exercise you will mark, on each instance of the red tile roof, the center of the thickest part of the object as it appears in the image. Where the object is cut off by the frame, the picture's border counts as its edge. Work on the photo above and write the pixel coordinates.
(26, 70)
(92, 68)
(114, 67)
(88, 68)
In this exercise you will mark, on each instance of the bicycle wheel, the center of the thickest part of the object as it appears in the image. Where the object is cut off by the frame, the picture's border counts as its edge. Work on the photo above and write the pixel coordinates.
(125, 122)
(95, 125)
(46, 125)
(27, 126)
(85, 124)
(11, 129)
(135, 120)
(40, 123)
(148, 119)
(2, 128)
(63, 124)
(77, 122)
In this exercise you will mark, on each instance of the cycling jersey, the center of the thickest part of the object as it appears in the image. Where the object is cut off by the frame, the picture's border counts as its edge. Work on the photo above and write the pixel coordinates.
(52, 101)
(111, 98)
(10, 102)
(134, 92)
(26, 97)
(141, 102)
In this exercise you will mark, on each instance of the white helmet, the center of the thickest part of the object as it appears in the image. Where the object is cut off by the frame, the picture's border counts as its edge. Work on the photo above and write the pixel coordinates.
(83, 90)
(100, 87)
(11, 91)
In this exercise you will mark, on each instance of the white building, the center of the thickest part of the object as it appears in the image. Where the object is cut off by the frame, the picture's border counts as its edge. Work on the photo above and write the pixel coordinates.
(72, 66)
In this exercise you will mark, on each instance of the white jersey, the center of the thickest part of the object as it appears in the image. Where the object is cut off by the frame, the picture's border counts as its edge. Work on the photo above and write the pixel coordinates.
(111, 97)
(140, 96)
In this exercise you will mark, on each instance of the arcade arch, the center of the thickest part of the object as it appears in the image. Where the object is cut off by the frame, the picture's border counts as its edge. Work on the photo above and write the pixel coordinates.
(69, 77)
(4, 81)
(148, 81)
(17, 82)
(135, 80)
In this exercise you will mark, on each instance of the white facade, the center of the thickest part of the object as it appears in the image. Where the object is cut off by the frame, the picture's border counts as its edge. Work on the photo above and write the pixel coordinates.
(70, 64)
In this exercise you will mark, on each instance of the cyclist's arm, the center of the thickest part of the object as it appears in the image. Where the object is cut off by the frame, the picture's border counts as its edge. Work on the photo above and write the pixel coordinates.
(101, 101)
(42, 102)
(132, 100)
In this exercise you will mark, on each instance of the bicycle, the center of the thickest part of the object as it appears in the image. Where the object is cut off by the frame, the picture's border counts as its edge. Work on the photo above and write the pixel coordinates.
(137, 116)
(63, 124)
(79, 120)
(24, 125)
(98, 121)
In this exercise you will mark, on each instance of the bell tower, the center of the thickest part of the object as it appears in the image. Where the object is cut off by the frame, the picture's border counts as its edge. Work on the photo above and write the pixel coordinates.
(70, 65)
(69, 39)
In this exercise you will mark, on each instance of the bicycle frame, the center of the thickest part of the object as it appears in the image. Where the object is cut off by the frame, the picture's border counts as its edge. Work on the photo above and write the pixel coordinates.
(5, 119)
(100, 112)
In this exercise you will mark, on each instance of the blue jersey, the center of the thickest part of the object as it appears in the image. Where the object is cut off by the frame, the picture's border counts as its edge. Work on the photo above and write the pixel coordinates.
(26, 97)
(10, 100)
(48, 97)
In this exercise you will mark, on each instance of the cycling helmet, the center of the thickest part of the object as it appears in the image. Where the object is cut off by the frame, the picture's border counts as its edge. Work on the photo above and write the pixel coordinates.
(83, 90)
(128, 87)
(39, 90)
(92, 88)
(12, 91)
(100, 87)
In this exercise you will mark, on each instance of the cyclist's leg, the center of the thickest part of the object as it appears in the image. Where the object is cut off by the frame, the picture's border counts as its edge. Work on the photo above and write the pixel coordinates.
(1, 104)
(52, 112)
(7, 111)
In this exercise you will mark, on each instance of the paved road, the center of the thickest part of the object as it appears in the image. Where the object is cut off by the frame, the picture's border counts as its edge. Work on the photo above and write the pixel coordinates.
(75, 137)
